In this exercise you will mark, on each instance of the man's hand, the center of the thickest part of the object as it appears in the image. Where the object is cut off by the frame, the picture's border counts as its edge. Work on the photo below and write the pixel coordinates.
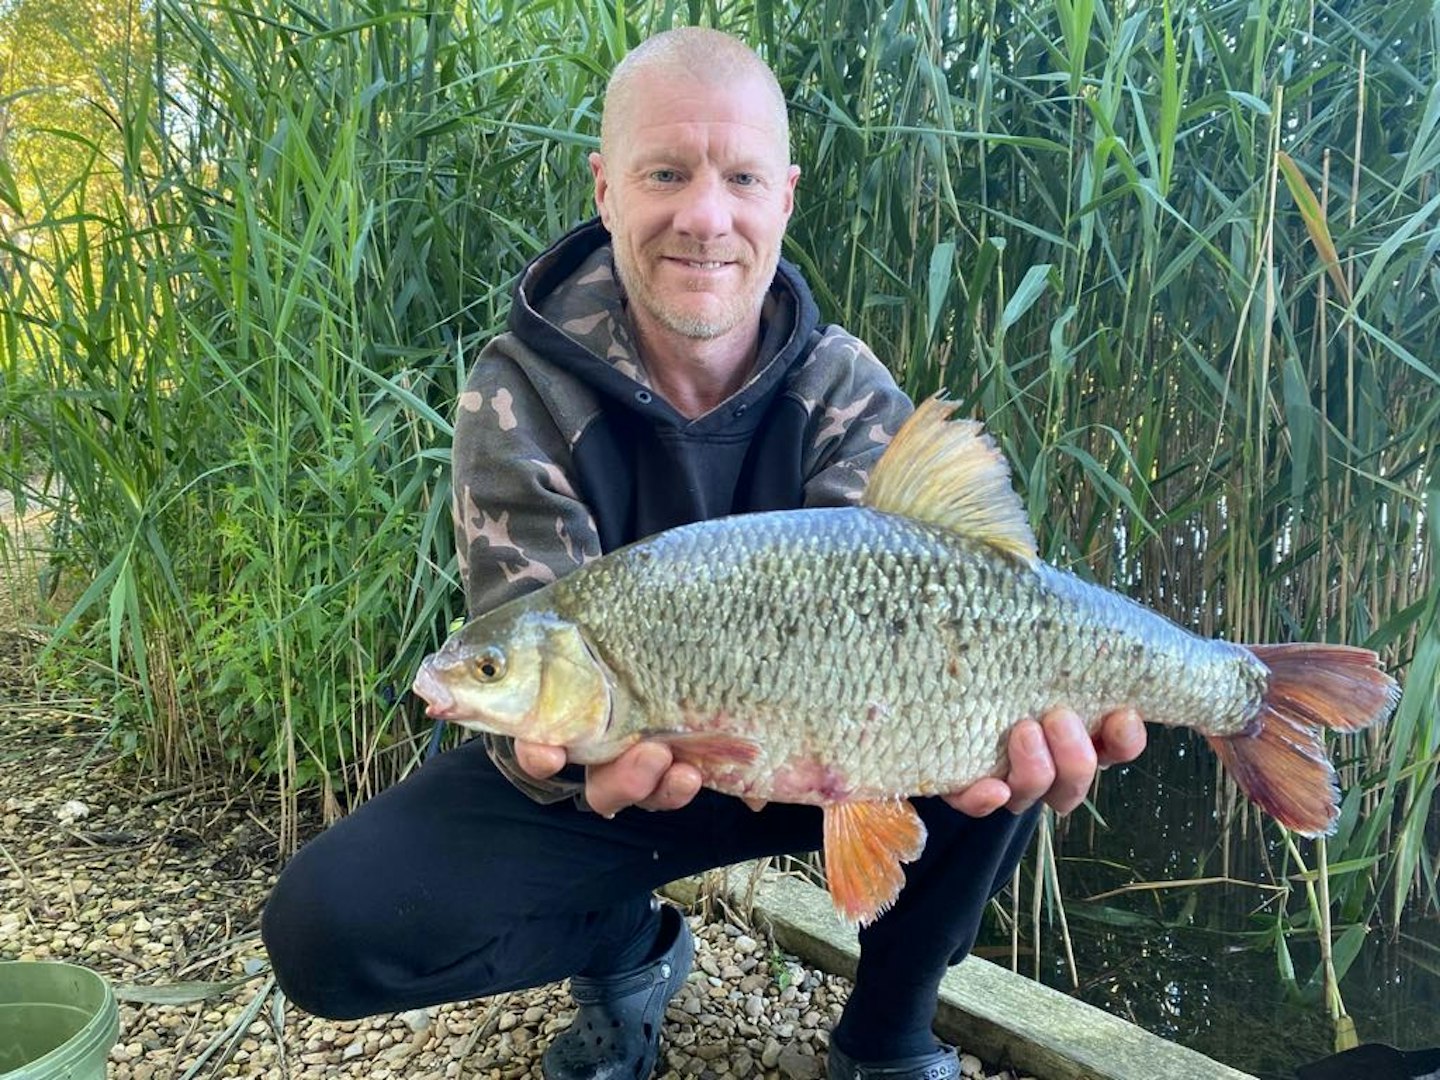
(646, 775)
(1054, 761)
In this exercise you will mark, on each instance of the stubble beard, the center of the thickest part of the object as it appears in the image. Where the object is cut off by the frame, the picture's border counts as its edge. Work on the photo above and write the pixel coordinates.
(688, 324)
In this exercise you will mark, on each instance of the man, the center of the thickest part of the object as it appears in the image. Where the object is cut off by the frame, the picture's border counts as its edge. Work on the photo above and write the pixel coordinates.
(662, 366)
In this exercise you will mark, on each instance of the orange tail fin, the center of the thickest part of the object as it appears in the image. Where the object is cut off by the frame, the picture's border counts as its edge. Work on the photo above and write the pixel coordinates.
(1282, 766)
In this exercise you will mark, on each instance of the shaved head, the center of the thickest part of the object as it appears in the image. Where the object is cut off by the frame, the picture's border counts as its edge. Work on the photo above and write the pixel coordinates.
(688, 54)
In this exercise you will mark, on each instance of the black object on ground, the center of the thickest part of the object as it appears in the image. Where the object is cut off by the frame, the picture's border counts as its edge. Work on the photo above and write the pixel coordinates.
(1375, 1061)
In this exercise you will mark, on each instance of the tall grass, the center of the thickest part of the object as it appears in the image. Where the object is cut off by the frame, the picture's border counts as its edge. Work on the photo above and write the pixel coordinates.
(1181, 259)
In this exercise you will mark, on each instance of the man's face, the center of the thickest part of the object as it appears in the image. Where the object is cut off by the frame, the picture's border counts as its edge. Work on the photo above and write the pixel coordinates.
(696, 190)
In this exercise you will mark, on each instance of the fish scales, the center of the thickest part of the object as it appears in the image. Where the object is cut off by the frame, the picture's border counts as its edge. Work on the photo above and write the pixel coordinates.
(870, 654)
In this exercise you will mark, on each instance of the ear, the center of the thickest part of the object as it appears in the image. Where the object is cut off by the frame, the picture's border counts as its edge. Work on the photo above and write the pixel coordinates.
(791, 177)
(602, 186)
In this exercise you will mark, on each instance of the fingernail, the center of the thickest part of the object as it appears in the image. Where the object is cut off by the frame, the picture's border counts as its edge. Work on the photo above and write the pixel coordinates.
(1030, 740)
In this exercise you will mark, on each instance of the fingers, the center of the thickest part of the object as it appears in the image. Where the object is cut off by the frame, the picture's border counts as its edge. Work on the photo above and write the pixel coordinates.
(644, 775)
(677, 786)
(1032, 768)
(1075, 760)
(540, 762)
(1121, 737)
(1053, 761)
(1031, 774)
(980, 798)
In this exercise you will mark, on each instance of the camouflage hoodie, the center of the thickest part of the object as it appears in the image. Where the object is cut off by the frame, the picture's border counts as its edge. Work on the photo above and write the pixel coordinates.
(563, 451)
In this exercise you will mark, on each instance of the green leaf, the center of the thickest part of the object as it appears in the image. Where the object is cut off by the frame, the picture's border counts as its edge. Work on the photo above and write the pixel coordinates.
(937, 285)
(1032, 286)
(178, 993)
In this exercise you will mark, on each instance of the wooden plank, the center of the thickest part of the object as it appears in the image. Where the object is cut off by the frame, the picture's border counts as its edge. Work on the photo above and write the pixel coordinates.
(1004, 1018)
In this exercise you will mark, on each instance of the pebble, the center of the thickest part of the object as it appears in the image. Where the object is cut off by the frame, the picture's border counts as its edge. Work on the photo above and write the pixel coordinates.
(798, 1065)
(770, 1056)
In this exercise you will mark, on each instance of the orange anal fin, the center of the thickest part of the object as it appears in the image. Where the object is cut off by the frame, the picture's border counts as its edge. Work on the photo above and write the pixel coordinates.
(865, 845)
(710, 749)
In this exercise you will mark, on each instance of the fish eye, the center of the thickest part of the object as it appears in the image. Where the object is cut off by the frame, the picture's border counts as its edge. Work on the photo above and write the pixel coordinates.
(490, 665)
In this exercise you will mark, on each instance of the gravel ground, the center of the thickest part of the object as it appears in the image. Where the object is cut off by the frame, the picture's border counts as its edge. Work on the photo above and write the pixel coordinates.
(160, 891)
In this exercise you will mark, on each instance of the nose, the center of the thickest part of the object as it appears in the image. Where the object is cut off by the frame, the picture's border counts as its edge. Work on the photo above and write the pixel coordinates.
(704, 211)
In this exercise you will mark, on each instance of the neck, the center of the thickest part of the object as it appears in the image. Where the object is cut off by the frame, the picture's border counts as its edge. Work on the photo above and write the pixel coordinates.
(696, 375)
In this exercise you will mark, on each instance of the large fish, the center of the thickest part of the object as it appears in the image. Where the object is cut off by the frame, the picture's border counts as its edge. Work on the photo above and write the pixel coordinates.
(853, 657)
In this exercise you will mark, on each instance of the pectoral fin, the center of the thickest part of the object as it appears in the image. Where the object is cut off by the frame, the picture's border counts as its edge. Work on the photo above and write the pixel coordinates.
(709, 748)
(865, 844)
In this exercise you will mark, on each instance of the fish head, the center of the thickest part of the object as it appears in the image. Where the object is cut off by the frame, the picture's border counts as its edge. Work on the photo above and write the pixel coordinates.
(524, 673)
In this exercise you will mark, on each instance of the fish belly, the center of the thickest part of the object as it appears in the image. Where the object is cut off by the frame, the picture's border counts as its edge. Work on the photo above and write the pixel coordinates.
(868, 655)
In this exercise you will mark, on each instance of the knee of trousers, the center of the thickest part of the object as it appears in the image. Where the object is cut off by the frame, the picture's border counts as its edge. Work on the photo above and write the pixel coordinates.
(322, 944)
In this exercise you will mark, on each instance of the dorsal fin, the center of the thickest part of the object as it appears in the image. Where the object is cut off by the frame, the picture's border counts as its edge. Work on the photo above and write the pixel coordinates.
(951, 474)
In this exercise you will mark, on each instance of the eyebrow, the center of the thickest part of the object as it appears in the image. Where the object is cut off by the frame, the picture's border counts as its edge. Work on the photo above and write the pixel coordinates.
(671, 156)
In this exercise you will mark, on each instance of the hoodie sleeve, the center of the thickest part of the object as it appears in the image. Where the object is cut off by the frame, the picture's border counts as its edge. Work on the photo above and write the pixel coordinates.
(855, 409)
(518, 521)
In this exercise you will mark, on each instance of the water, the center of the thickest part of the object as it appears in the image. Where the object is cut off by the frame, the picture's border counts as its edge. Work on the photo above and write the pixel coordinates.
(1198, 964)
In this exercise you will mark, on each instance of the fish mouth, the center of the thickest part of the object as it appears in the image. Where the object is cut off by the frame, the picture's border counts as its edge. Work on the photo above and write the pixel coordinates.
(439, 701)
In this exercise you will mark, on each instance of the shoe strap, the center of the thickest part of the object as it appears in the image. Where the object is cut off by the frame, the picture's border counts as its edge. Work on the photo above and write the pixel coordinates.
(597, 990)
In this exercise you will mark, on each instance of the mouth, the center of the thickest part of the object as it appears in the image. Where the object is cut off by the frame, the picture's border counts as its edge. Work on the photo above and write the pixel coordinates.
(703, 265)
(439, 702)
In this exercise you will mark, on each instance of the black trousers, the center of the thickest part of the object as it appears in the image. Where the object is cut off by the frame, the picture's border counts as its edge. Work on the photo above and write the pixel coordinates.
(454, 885)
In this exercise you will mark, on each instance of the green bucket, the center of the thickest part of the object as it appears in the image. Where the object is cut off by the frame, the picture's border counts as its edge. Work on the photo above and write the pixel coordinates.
(57, 1022)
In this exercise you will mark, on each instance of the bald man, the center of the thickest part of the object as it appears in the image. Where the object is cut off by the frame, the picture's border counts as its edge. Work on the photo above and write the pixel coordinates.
(662, 365)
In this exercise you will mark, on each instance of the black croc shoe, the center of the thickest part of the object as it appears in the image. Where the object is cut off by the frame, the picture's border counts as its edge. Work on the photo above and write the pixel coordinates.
(616, 1031)
(940, 1064)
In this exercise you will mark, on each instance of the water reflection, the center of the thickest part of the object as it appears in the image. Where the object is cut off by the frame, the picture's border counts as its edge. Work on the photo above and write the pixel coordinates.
(1197, 964)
